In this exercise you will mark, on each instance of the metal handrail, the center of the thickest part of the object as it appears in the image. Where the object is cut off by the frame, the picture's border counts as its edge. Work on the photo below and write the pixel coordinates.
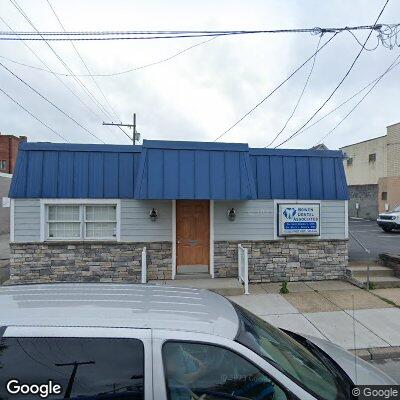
(368, 251)
(243, 267)
(144, 265)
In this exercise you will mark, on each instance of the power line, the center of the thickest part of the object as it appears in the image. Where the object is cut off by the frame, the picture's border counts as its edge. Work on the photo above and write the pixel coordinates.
(126, 71)
(145, 35)
(48, 69)
(33, 116)
(342, 104)
(86, 67)
(300, 97)
(340, 82)
(50, 102)
(82, 60)
(86, 90)
(275, 89)
(392, 65)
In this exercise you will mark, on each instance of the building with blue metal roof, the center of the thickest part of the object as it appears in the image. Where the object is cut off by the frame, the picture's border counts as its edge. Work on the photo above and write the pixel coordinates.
(85, 212)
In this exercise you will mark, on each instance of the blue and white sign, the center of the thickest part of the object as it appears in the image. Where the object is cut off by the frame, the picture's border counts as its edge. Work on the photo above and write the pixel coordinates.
(298, 219)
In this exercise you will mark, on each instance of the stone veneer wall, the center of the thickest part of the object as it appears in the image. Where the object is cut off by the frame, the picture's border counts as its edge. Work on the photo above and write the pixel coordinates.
(87, 262)
(284, 260)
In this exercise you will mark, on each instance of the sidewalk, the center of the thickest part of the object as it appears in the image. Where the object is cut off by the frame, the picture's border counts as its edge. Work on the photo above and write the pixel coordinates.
(325, 309)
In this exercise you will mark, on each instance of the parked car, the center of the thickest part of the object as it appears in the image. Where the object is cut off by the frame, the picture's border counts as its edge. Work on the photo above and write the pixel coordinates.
(389, 220)
(105, 341)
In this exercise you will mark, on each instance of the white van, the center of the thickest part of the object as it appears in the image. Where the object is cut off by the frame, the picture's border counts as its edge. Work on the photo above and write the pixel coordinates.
(111, 341)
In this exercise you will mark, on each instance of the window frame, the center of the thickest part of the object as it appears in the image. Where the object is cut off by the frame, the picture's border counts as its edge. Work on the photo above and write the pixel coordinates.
(82, 203)
(142, 334)
(3, 164)
(349, 161)
(289, 394)
(372, 158)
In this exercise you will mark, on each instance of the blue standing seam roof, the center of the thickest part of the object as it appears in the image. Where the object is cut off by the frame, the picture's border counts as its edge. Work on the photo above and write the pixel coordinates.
(176, 170)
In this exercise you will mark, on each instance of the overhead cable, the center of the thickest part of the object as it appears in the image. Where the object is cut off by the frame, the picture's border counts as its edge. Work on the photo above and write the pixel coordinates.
(50, 102)
(275, 89)
(146, 35)
(339, 84)
(300, 97)
(34, 116)
(391, 66)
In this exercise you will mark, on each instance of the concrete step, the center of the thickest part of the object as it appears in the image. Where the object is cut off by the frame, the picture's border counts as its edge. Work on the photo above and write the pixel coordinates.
(224, 286)
(186, 276)
(383, 282)
(374, 270)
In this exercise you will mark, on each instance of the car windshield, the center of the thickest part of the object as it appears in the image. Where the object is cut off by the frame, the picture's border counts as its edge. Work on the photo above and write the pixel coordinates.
(289, 356)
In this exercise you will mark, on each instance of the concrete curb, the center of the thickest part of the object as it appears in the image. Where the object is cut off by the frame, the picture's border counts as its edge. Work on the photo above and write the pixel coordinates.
(378, 353)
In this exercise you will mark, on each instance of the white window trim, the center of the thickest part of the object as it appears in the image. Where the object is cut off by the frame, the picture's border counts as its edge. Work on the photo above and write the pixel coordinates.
(81, 202)
(300, 237)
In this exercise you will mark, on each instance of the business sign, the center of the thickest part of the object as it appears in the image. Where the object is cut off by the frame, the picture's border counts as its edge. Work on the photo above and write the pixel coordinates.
(298, 219)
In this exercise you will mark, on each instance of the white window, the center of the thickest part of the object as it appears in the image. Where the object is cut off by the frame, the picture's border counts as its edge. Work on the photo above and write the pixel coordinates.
(81, 221)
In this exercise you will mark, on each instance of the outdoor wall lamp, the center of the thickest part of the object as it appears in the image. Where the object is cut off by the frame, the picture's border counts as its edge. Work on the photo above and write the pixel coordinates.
(231, 214)
(153, 215)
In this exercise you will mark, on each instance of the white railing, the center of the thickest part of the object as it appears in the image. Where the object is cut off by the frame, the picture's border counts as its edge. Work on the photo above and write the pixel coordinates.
(243, 270)
(144, 265)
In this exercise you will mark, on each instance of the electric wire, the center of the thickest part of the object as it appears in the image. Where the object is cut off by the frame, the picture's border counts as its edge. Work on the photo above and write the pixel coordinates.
(145, 35)
(126, 71)
(77, 80)
(275, 89)
(87, 69)
(391, 66)
(50, 102)
(300, 97)
(343, 103)
(34, 116)
(339, 84)
(82, 60)
(49, 70)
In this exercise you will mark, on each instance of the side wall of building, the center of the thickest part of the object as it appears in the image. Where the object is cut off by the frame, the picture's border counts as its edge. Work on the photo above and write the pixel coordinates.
(362, 171)
(5, 182)
(365, 197)
(390, 186)
(393, 150)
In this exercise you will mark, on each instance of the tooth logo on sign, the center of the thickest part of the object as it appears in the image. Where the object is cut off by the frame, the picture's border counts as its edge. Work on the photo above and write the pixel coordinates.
(289, 213)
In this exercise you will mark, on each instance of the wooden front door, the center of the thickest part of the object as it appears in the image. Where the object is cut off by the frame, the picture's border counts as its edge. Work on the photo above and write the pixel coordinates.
(192, 232)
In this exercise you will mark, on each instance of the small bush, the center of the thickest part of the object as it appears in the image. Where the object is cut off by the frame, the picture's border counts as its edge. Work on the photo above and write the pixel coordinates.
(372, 285)
(284, 289)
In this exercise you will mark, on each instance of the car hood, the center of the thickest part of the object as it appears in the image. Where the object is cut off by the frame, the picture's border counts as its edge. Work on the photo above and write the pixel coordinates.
(366, 374)
(390, 214)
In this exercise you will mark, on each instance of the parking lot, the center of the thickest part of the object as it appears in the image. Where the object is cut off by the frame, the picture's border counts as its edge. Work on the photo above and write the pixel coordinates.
(373, 238)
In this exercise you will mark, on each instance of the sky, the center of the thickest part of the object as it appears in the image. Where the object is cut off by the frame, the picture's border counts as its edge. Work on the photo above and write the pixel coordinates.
(202, 92)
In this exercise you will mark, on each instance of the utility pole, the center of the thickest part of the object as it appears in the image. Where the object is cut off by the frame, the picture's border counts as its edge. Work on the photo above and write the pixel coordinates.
(135, 136)
(71, 380)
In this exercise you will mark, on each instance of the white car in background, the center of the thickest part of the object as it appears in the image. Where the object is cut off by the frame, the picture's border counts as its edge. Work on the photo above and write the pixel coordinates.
(111, 341)
(389, 220)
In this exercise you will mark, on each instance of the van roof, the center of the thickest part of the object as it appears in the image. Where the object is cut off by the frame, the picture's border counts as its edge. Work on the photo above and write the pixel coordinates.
(118, 305)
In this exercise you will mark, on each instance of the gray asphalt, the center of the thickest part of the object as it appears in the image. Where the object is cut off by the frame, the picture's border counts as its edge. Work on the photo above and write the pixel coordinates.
(390, 366)
(373, 238)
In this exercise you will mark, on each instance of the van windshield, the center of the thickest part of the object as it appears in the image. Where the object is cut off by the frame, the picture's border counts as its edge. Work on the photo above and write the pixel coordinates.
(289, 356)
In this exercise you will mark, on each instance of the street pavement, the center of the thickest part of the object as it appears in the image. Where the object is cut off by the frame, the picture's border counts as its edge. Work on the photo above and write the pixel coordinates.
(373, 238)
(390, 366)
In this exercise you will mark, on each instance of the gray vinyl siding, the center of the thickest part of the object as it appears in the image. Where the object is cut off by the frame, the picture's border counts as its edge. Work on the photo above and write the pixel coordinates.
(136, 225)
(26, 220)
(255, 220)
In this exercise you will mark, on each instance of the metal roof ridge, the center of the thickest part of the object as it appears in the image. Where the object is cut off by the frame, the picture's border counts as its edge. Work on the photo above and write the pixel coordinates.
(81, 147)
(194, 145)
(295, 152)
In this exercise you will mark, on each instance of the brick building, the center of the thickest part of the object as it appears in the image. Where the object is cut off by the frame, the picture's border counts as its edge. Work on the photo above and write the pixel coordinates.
(372, 170)
(8, 152)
